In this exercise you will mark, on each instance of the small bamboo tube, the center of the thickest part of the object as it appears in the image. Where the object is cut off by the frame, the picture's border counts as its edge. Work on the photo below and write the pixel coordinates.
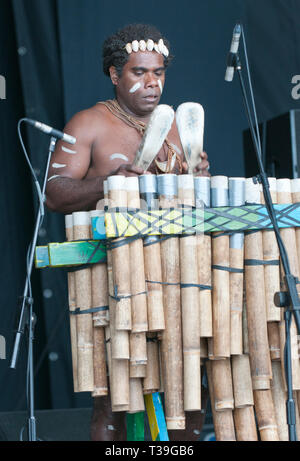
(245, 426)
(288, 236)
(136, 396)
(151, 382)
(236, 258)
(274, 340)
(220, 276)
(117, 195)
(255, 301)
(265, 415)
(84, 322)
(279, 399)
(171, 343)
(72, 306)
(223, 420)
(222, 384)
(242, 383)
(190, 304)
(244, 322)
(152, 257)
(202, 199)
(138, 355)
(271, 253)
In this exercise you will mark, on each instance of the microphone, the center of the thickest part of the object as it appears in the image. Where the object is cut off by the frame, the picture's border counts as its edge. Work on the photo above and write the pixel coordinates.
(233, 52)
(51, 131)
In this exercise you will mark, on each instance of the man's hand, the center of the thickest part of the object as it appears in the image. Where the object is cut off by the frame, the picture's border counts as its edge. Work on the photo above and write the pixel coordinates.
(128, 170)
(201, 169)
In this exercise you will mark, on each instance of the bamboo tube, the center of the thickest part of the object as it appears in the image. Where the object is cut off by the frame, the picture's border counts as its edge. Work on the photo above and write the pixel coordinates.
(84, 322)
(274, 340)
(265, 415)
(190, 304)
(171, 337)
(255, 298)
(244, 322)
(156, 320)
(242, 384)
(223, 420)
(72, 306)
(138, 355)
(117, 195)
(151, 382)
(279, 399)
(245, 426)
(220, 260)
(202, 199)
(288, 236)
(236, 258)
(136, 396)
(222, 384)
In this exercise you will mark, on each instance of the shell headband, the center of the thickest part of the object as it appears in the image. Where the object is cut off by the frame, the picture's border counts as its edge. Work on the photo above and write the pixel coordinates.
(148, 45)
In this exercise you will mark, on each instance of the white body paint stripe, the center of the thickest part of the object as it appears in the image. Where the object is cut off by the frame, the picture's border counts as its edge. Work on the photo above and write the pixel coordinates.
(69, 151)
(160, 85)
(135, 87)
(54, 176)
(58, 165)
(121, 156)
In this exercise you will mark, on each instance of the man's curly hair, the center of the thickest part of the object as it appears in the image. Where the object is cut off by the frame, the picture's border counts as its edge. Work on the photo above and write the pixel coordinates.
(114, 53)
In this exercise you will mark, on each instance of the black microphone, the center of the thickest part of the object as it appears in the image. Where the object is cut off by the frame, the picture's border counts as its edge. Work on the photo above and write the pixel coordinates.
(233, 52)
(51, 131)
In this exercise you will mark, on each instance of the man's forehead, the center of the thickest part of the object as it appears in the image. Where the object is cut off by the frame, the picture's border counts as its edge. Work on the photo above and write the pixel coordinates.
(146, 59)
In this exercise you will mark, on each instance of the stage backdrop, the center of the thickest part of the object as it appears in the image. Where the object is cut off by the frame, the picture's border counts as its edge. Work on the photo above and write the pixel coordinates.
(51, 62)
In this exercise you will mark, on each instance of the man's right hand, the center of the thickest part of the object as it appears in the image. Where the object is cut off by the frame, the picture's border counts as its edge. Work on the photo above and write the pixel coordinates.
(128, 170)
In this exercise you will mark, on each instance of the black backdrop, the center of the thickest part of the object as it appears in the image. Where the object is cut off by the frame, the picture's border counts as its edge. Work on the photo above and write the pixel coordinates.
(51, 60)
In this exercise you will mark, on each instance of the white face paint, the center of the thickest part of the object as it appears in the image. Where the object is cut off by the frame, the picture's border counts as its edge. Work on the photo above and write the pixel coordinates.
(69, 151)
(120, 156)
(54, 176)
(160, 85)
(135, 87)
(58, 165)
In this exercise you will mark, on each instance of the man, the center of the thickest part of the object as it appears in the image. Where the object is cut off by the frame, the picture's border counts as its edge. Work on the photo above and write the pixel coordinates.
(108, 136)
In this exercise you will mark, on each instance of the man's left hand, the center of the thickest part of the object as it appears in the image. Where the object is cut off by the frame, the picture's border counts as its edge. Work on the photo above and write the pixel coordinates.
(202, 169)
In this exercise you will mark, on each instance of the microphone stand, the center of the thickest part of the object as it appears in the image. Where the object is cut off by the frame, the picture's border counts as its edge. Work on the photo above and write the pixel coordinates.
(290, 299)
(27, 319)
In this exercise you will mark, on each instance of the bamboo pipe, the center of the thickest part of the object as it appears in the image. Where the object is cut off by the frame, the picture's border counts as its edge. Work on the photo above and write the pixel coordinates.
(190, 304)
(245, 425)
(255, 302)
(279, 399)
(265, 415)
(236, 258)
(84, 322)
(222, 384)
(151, 382)
(72, 306)
(172, 335)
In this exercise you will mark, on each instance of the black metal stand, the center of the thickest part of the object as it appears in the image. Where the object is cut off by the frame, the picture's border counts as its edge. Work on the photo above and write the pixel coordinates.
(290, 299)
(27, 317)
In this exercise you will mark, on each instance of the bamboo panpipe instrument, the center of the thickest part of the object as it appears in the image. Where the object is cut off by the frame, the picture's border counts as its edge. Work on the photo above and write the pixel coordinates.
(220, 275)
(202, 199)
(288, 236)
(190, 304)
(172, 336)
(84, 322)
(255, 301)
(72, 306)
(152, 257)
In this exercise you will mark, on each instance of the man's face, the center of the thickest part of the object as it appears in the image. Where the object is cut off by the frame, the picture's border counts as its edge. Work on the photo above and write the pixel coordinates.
(140, 86)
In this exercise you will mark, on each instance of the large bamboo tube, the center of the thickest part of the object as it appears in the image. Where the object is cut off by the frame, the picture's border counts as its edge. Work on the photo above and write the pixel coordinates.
(152, 257)
(220, 263)
(72, 306)
(172, 336)
(151, 382)
(190, 304)
(279, 399)
(242, 383)
(223, 420)
(265, 415)
(222, 384)
(288, 236)
(255, 301)
(202, 199)
(236, 258)
(245, 425)
(84, 322)
(117, 195)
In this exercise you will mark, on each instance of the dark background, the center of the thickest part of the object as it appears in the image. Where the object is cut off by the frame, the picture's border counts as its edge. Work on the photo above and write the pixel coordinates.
(50, 56)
